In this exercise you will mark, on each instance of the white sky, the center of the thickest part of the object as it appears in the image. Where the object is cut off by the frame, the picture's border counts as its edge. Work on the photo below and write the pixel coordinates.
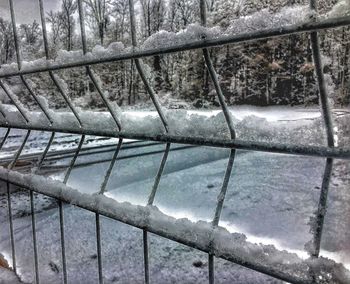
(27, 10)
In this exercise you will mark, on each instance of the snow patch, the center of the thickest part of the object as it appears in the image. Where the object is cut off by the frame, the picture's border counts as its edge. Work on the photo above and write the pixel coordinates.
(265, 19)
(340, 9)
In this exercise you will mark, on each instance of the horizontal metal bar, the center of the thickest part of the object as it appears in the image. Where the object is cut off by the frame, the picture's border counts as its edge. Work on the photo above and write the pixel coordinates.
(62, 154)
(100, 161)
(229, 39)
(302, 150)
(202, 236)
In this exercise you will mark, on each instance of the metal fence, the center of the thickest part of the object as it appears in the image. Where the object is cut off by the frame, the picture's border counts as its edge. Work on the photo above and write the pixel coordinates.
(209, 245)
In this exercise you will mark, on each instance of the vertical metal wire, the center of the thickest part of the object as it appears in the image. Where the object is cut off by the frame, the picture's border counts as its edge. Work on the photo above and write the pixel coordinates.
(150, 202)
(145, 255)
(154, 98)
(140, 70)
(118, 123)
(159, 175)
(53, 77)
(61, 212)
(229, 122)
(72, 163)
(12, 237)
(31, 92)
(5, 137)
(63, 242)
(35, 249)
(327, 118)
(110, 168)
(90, 72)
(98, 247)
(2, 112)
(98, 224)
(11, 166)
(43, 155)
(13, 100)
(9, 210)
(40, 162)
(13, 163)
(19, 63)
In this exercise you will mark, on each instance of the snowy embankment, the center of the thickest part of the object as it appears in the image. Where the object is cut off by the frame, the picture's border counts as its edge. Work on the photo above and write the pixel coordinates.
(231, 246)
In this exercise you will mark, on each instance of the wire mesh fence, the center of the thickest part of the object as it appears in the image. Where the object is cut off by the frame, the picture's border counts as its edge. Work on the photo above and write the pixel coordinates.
(209, 239)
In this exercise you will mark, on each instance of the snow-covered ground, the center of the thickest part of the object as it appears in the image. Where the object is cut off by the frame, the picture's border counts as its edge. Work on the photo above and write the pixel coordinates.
(270, 199)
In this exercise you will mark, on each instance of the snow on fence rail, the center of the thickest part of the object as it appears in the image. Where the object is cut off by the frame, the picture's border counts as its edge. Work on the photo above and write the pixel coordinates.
(208, 237)
(201, 235)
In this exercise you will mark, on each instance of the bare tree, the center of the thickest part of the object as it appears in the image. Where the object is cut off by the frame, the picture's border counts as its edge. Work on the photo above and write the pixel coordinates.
(68, 9)
(181, 13)
(6, 41)
(98, 11)
(120, 12)
(30, 32)
(153, 12)
(55, 20)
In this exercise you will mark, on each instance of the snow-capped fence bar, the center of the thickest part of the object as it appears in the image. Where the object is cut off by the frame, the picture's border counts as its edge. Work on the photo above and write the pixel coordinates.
(271, 147)
(207, 237)
(200, 235)
(197, 44)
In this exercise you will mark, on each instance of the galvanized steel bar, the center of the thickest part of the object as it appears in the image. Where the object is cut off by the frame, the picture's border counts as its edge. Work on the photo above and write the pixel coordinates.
(2, 112)
(43, 156)
(5, 138)
(159, 175)
(271, 147)
(31, 92)
(228, 118)
(19, 152)
(150, 202)
(154, 98)
(9, 210)
(98, 247)
(88, 69)
(98, 225)
(140, 70)
(71, 165)
(229, 122)
(327, 118)
(145, 255)
(110, 168)
(52, 76)
(63, 242)
(35, 248)
(198, 44)
(61, 211)
(12, 237)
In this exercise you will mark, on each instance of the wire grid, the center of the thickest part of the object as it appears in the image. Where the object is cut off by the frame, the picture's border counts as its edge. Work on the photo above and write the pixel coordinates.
(329, 152)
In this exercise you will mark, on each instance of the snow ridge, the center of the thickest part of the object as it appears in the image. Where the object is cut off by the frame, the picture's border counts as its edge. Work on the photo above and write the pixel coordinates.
(230, 246)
